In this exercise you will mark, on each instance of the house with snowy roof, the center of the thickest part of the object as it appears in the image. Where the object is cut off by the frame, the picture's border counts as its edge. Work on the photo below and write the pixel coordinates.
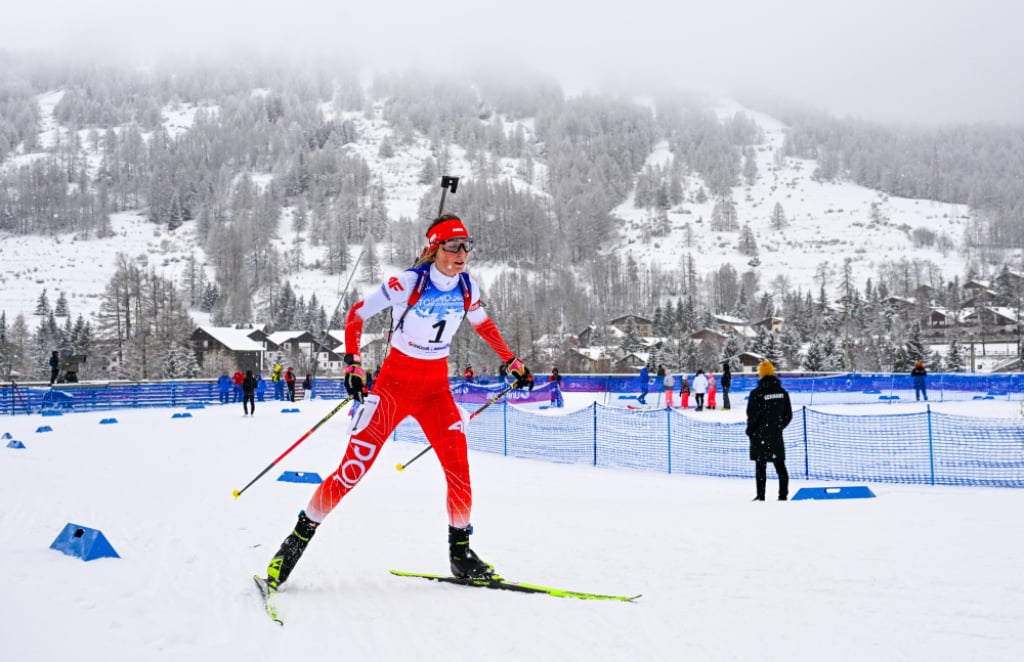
(235, 348)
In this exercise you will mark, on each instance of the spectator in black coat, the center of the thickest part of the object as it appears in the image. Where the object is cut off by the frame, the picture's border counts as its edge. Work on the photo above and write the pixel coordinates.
(919, 374)
(248, 393)
(55, 367)
(725, 381)
(768, 413)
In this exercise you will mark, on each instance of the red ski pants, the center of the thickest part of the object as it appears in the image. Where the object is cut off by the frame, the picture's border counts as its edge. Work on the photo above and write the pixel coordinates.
(405, 387)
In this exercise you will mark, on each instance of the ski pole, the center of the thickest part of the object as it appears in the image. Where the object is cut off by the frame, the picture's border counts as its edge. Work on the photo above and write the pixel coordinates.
(401, 467)
(238, 493)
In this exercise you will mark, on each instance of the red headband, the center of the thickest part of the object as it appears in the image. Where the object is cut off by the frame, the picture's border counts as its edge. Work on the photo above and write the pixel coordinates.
(446, 230)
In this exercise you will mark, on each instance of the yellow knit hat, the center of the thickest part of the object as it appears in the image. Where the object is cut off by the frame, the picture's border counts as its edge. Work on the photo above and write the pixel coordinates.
(766, 368)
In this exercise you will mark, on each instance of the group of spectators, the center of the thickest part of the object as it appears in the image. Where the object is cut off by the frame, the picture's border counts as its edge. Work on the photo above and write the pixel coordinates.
(248, 388)
(769, 411)
(704, 388)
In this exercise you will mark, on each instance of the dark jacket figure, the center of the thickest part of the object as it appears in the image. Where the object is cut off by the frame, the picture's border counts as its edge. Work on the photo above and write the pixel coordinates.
(768, 413)
(55, 366)
(249, 393)
(919, 374)
(726, 382)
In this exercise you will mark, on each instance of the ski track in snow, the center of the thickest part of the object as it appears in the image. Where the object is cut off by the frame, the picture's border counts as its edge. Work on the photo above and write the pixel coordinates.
(917, 573)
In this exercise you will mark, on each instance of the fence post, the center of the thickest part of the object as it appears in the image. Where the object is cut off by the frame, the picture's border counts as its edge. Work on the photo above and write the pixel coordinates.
(807, 464)
(594, 407)
(931, 448)
(504, 425)
(668, 430)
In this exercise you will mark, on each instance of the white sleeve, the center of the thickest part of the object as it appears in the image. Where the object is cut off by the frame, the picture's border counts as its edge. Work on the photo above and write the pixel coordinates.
(394, 292)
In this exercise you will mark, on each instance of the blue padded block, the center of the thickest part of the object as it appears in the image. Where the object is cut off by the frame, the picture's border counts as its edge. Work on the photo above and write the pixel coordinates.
(301, 477)
(195, 407)
(872, 391)
(182, 415)
(14, 443)
(44, 428)
(888, 397)
(7, 435)
(845, 492)
(83, 542)
(290, 410)
(51, 412)
(108, 421)
(983, 397)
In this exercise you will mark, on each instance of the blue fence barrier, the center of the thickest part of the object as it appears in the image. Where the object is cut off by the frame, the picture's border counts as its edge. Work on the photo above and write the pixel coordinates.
(925, 447)
(922, 447)
(851, 388)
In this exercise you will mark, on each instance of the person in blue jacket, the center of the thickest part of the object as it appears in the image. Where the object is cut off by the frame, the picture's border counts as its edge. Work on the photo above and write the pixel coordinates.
(261, 387)
(224, 385)
(644, 386)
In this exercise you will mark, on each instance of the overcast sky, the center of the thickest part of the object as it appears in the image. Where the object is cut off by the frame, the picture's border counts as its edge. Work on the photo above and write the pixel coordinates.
(924, 61)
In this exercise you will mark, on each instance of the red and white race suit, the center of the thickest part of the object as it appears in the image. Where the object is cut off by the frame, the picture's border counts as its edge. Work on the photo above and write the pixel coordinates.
(413, 381)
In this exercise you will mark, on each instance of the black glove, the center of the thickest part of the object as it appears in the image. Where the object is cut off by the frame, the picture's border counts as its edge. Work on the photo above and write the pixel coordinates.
(355, 377)
(516, 368)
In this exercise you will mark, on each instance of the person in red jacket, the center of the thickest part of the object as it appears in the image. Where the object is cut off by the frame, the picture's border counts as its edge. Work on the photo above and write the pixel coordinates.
(468, 373)
(236, 381)
(289, 380)
(428, 304)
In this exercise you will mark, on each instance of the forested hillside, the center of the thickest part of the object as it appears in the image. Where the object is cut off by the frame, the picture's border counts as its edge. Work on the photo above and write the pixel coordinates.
(275, 172)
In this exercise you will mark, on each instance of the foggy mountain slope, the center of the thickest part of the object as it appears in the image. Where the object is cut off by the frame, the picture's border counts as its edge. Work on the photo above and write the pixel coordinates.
(825, 222)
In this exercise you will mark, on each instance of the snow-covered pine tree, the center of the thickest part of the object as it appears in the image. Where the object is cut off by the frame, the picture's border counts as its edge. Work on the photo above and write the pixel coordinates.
(60, 309)
(916, 350)
(631, 341)
(42, 304)
(822, 354)
(778, 219)
(955, 361)
(179, 362)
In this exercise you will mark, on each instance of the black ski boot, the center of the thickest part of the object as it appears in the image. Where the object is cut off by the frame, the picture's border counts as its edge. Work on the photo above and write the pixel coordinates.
(291, 549)
(465, 562)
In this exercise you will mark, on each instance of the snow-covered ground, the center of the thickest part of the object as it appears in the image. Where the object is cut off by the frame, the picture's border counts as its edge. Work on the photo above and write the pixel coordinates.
(918, 573)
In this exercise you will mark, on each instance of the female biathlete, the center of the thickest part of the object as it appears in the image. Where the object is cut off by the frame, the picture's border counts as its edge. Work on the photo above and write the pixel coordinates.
(428, 303)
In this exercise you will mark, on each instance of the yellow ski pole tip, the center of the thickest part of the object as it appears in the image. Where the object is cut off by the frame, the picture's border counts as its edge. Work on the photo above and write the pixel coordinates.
(399, 467)
(235, 493)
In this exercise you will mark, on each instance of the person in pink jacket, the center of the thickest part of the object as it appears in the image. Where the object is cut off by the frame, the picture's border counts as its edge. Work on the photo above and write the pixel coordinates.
(712, 389)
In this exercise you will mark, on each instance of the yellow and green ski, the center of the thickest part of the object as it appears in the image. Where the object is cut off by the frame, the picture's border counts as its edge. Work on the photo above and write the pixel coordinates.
(500, 583)
(267, 593)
